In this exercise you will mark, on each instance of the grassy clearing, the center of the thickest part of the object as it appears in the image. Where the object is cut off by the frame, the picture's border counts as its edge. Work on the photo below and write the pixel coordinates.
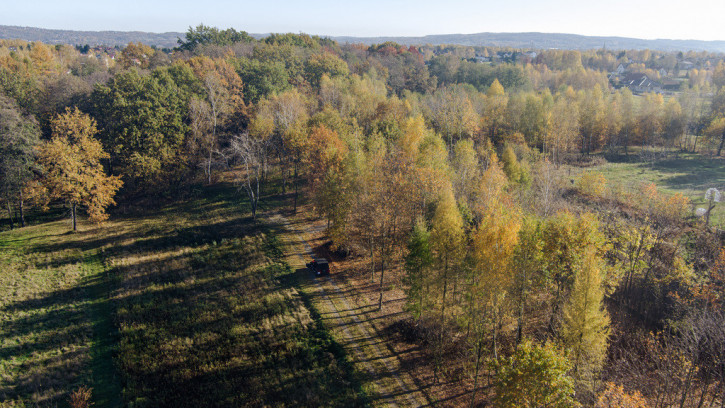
(56, 328)
(190, 305)
(689, 174)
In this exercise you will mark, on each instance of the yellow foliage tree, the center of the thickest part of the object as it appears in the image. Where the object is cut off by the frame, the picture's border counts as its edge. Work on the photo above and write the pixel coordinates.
(615, 397)
(447, 240)
(586, 322)
(136, 55)
(73, 171)
(493, 244)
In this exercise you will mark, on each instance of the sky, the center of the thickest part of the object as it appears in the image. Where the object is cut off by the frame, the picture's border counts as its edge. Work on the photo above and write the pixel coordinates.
(648, 19)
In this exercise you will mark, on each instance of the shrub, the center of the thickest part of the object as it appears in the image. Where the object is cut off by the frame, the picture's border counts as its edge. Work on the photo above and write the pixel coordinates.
(81, 397)
(592, 184)
(534, 376)
(615, 397)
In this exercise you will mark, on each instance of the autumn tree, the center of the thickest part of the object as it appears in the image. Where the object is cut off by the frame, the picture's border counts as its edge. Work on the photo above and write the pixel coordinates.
(528, 274)
(466, 167)
(251, 152)
(593, 123)
(136, 55)
(562, 127)
(492, 248)
(494, 118)
(19, 135)
(325, 64)
(614, 396)
(73, 171)
(207, 116)
(284, 117)
(447, 241)
(566, 239)
(329, 181)
(535, 376)
(417, 266)
(452, 114)
(392, 216)
(586, 322)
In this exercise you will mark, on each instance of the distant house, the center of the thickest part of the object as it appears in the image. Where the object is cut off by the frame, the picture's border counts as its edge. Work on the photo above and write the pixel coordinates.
(13, 49)
(621, 69)
(671, 85)
(483, 59)
(663, 72)
(686, 65)
(641, 83)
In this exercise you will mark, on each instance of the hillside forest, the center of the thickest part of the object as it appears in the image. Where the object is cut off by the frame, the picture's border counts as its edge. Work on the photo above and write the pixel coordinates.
(552, 231)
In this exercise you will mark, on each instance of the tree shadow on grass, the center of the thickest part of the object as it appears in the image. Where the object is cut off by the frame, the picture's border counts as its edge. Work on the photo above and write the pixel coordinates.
(201, 315)
(691, 174)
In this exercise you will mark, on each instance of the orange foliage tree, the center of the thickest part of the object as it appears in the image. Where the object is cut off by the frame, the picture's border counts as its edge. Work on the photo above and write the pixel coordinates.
(72, 164)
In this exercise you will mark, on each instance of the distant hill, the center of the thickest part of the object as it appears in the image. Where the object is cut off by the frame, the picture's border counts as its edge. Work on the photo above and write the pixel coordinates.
(516, 40)
(110, 38)
(546, 41)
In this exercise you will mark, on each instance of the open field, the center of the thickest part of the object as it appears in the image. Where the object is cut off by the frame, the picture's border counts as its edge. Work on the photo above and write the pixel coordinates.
(190, 305)
(689, 174)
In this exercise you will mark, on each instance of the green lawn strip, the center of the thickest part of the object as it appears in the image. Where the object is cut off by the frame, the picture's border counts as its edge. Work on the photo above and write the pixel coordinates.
(53, 331)
(105, 381)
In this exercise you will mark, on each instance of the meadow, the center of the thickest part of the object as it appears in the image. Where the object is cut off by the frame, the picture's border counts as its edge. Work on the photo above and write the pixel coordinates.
(190, 304)
(687, 173)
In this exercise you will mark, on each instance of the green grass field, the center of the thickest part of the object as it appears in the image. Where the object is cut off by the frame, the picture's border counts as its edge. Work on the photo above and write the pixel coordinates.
(189, 305)
(689, 174)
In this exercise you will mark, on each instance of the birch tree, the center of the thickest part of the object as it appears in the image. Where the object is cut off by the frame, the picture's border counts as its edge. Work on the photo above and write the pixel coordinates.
(250, 151)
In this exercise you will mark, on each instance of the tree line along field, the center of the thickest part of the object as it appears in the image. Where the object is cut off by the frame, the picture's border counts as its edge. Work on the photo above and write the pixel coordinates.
(538, 235)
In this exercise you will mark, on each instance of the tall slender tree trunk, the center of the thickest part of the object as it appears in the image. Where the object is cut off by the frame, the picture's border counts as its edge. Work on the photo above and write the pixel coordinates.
(208, 168)
(496, 317)
(382, 274)
(479, 352)
(694, 144)
(520, 328)
(10, 215)
(372, 258)
(21, 207)
(445, 289)
(722, 142)
(256, 199)
(439, 346)
(294, 210)
(73, 216)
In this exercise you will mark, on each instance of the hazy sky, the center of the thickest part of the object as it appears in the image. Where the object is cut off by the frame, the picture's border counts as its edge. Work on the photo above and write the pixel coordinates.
(674, 19)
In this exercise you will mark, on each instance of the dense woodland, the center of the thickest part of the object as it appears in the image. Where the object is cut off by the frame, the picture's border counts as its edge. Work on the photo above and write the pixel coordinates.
(551, 285)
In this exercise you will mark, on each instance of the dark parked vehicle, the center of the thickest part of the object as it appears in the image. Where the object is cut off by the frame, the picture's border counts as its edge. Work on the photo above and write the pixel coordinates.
(319, 266)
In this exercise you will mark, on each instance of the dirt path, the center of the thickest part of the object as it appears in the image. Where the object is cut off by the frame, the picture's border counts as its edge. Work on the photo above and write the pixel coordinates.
(384, 381)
